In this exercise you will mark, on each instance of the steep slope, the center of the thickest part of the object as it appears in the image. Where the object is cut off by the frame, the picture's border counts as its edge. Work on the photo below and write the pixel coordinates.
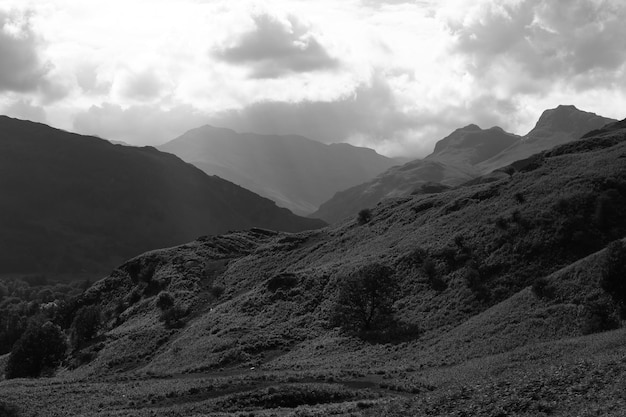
(73, 203)
(296, 172)
(555, 127)
(450, 164)
(464, 259)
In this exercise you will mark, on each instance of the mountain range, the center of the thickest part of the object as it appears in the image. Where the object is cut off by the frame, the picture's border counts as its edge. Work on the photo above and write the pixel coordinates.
(463, 155)
(499, 280)
(296, 172)
(73, 203)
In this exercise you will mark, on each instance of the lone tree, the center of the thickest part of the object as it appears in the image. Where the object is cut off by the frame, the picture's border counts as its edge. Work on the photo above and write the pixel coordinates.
(86, 324)
(365, 299)
(614, 273)
(41, 348)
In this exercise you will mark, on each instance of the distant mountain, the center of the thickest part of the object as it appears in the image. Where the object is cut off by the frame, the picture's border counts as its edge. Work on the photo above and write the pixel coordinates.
(471, 145)
(77, 203)
(555, 127)
(451, 164)
(296, 172)
(465, 154)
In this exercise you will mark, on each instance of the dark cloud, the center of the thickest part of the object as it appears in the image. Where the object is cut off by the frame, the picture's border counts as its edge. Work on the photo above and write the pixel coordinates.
(138, 124)
(274, 48)
(20, 66)
(142, 86)
(546, 39)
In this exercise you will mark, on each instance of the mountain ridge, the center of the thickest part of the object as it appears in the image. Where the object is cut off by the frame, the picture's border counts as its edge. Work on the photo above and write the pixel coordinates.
(467, 153)
(79, 203)
(297, 172)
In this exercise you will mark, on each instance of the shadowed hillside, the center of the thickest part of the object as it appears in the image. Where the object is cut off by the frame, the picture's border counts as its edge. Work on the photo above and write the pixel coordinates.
(296, 172)
(74, 203)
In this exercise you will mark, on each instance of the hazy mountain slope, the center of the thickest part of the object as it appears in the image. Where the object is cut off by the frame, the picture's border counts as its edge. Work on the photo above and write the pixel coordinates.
(555, 127)
(467, 152)
(397, 181)
(450, 164)
(294, 171)
(73, 203)
(486, 243)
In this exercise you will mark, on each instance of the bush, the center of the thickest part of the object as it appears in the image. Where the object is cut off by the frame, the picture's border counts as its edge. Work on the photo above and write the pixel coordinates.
(282, 281)
(365, 299)
(40, 350)
(8, 410)
(174, 317)
(601, 317)
(217, 291)
(364, 216)
(85, 325)
(614, 273)
(165, 300)
(542, 288)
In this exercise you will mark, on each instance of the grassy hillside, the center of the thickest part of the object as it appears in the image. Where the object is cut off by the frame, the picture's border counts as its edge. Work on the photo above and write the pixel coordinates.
(502, 277)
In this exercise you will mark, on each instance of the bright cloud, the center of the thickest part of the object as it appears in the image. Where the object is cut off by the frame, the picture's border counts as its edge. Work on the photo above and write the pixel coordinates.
(395, 75)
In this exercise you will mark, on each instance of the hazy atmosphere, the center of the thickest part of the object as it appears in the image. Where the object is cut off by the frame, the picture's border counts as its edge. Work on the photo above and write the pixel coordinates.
(392, 75)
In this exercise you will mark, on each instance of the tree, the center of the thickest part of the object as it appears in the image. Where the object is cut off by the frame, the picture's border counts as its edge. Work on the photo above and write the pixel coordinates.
(365, 299)
(85, 325)
(41, 348)
(614, 273)
(364, 216)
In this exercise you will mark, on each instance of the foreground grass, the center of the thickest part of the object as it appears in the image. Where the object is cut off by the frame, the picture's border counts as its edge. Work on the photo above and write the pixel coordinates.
(584, 376)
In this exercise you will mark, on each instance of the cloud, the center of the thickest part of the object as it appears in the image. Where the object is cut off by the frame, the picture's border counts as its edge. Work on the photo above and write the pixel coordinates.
(142, 86)
(138, 125)
(371, 111)
(540, 41)
(26, 110)
(21, 68)
(274, 48)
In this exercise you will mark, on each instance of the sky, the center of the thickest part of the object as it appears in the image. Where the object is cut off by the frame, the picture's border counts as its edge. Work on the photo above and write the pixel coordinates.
(393, 75)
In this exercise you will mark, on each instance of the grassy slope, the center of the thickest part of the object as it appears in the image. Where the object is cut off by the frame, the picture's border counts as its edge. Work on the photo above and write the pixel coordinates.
(489, 345)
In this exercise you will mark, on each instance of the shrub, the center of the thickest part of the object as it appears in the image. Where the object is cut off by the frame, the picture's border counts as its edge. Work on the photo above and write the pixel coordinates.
(614, 273)
(85, 325)
(364, 216)
(8, 410)
(282, 281)
(365, 299)
(174, 317)
(165, 300)
(40, 349)
(601, 316)
(217, 291)
(542, 288)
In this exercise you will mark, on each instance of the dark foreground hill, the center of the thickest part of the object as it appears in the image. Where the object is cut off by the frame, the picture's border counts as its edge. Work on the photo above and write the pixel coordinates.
(73, 203)
(502, 279)
(296, 172)
(466, 153)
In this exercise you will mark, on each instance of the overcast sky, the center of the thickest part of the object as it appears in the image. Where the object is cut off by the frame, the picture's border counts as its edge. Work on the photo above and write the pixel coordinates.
(393, 75)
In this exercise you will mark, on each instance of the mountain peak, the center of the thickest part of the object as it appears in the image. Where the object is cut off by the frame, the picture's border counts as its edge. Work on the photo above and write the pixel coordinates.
(566, 119)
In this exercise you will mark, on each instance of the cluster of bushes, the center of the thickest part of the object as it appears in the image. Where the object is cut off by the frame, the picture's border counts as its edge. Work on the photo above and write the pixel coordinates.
(36, 318)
